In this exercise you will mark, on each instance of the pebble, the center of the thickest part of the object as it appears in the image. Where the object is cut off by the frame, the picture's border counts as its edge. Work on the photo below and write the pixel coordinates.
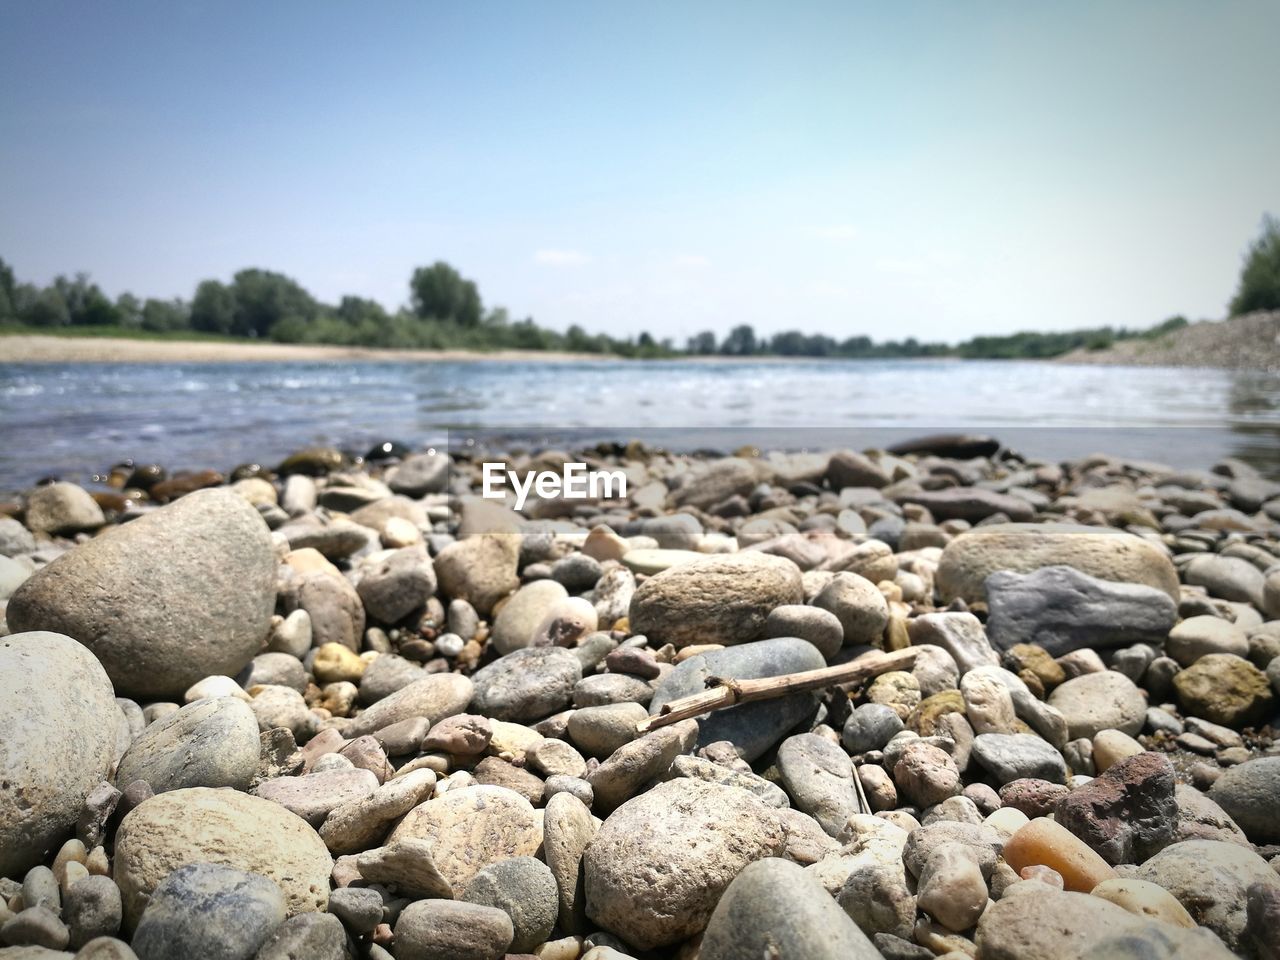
(869, 727)
(406, 866)
(208, 743)
(92, 908)
(1196, 637)
(468, 829)
(527, 684)
(951, 887)
(775, 907)
(208, 910)
(315, 936)
(1112, 746)
(62, 508)
(1127, 813)
(60, 721)
(402, 581)
(1016, 756)
(359, 908)
(1145, 899)
(752, 727)
(1062, 609)
(1108, 554)
(1042, 841)
(35, 927)
(1099, 701)
(162, 562)
(819, 777)
(720, 599)
(434, 697)
(925, 775)
(314, 795)
(961, 635)
(660, 862)
(222, 827)
(1248, 793)
(360, 824)
(436, 929)
(1225, 689)
(524, 889)
(1211, 879)
(634, 764)
(858, 605)
(988, 705)
(820, 627)
(480, 569)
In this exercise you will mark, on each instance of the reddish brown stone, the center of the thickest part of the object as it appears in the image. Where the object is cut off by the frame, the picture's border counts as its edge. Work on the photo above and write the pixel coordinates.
(1128, 813)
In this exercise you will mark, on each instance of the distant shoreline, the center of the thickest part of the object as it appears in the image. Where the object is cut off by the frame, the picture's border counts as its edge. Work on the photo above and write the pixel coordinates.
(41, 348)
(35, 348)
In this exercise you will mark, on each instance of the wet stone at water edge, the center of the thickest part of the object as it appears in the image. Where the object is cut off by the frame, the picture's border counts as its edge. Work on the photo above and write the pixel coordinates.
(347, 708)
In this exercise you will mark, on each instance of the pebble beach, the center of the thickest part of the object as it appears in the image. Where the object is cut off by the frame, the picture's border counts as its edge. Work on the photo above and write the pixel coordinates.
(345, 707)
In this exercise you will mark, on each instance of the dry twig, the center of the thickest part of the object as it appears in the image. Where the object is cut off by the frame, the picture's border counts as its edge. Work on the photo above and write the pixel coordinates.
(724, 692)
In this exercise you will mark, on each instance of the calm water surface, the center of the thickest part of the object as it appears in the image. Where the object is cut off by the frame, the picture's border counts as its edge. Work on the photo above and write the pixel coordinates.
(73, 420)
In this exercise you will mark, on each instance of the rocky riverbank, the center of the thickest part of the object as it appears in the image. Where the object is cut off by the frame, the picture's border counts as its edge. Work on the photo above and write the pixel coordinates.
(1249, 342)
(348, 709)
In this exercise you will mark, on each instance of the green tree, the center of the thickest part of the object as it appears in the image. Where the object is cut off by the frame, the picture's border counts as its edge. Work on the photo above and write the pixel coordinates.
(44, 308)
(129, 311)
(263, 298)
(1259, 287)
(213, 308)
(439, 292)
(8, 287)
(164, 315)
(741, 341)
(701, 343)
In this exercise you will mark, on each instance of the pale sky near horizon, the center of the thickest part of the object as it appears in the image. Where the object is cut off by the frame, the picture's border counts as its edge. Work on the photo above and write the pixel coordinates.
(927, 169)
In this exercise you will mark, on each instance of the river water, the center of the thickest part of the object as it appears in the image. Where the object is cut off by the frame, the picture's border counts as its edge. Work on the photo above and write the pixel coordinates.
(76, 419)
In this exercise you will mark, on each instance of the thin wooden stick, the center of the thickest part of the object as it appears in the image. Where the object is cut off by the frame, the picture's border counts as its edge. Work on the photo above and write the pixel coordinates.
(724, 692)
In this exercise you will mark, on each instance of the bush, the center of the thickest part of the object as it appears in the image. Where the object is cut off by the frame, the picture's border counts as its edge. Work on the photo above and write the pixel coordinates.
(1260, 278)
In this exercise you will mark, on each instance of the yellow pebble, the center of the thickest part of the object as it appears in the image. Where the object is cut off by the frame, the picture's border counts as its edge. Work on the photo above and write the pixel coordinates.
(1112, 746)
(1145, 899)
(1043, 841)
(334, 662)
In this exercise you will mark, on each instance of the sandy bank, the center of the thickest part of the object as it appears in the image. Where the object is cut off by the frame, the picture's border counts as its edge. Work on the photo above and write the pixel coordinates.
(25, 348)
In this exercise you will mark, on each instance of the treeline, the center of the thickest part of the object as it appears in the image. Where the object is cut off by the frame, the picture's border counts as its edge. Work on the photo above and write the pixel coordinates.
(742, 341)
(445, 312)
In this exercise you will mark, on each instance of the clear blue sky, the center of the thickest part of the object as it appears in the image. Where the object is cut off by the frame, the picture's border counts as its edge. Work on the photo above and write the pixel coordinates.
(894, 169)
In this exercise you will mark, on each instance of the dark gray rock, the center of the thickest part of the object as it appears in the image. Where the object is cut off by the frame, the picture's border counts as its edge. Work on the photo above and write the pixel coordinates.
(525, 890)
(177, 595)
(209, 911)
(969, 503)
(308, 936)
(398, 585)
(869, 727)
(1250, 794)
(1017, 756)
(776, 908)
(1061, 609)
(359, 908)
(752, 727)
(527, 684)
(819, 777)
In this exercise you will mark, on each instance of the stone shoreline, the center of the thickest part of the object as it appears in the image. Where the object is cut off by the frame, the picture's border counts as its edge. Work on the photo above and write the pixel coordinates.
(341, 710)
